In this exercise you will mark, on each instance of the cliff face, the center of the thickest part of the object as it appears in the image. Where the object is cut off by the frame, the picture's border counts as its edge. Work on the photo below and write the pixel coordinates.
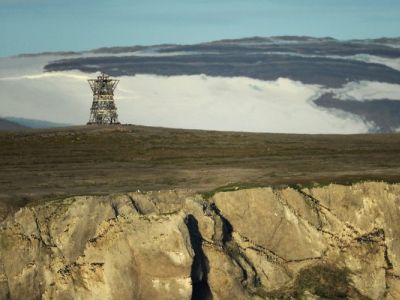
(328, 242)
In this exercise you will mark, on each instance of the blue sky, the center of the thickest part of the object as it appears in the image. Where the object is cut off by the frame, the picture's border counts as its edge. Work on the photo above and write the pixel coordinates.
(28, 26)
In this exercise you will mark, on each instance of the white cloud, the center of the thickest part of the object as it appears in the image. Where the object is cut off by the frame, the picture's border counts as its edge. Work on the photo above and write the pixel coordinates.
(393, 63)
(219, 103)
(65, 75)
(22, 66)
(53, 97)
(368, 90)
(199, 101)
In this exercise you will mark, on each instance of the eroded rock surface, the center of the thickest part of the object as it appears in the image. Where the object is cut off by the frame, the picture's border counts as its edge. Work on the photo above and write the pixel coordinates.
(329, 242)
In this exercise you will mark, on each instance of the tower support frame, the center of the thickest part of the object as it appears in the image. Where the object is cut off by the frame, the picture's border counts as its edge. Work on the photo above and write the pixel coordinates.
(103, 110)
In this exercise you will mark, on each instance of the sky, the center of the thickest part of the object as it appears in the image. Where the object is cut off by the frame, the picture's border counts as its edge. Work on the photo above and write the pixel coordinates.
(31, 26)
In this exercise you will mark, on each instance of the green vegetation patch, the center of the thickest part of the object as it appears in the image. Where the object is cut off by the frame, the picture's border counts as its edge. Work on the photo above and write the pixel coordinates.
(326, 281)
(232, 187)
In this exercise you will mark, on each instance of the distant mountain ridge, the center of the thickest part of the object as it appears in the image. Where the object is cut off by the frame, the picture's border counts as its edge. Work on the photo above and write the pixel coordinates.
(20, 123)
(9, 125)
(322, 61)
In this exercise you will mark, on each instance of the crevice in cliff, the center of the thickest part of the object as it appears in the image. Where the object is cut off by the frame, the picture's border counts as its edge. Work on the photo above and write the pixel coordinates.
(397, 277)
(115, 209)
(135, 205)
(387, 259)
(227, 228)
(315, 205)
(389, 263)
(110, 224)
(41, 235)
(322, 210)
(274, 258)
(39, 230)
(306, 259)
(378, 236)
(200, 266)
(43, 226)
(312, 199)
(374, 236)
(270, 255)
(235, 252)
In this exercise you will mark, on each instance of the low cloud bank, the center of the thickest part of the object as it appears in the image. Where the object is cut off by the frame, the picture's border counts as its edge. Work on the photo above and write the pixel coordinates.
(240, 104)
(201, 102)
(368, 90)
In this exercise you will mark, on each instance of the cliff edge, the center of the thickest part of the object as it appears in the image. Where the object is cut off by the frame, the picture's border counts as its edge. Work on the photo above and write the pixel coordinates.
(329, 242)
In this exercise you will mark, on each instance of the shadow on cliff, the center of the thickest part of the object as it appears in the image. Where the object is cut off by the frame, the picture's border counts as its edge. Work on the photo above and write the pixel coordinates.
(200, 267)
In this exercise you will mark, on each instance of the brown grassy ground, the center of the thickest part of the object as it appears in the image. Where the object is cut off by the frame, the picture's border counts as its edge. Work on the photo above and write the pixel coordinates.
(55, 163)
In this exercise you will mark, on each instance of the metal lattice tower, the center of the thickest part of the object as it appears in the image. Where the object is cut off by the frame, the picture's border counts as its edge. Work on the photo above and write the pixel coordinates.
(103, 109)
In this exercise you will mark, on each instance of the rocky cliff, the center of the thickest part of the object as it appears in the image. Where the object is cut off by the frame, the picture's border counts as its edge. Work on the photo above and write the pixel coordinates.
(328, 242)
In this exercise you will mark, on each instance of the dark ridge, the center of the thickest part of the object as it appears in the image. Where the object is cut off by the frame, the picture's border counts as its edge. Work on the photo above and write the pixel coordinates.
(10, 125)
(299, 44)
(200, 267)
(383, 113)
(382, 40)
(227, 228)
(55, 53)
(115, 50)
(35, 123)
(306, 47)
(233, 61)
